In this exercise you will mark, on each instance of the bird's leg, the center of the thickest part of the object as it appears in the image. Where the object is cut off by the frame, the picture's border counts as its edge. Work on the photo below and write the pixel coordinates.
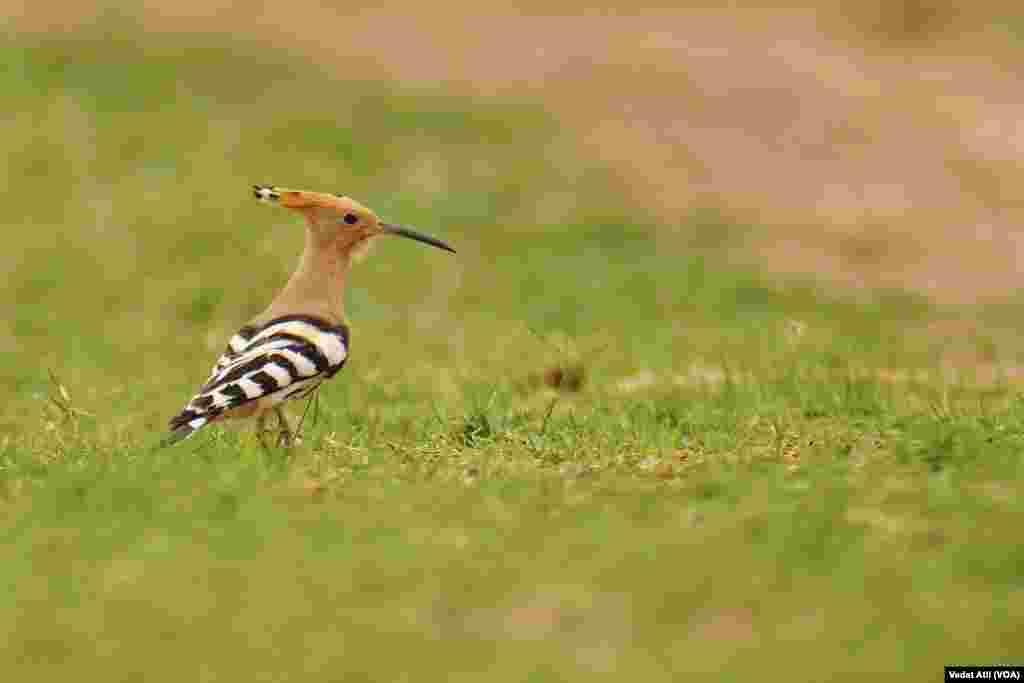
(261, 430)
(285, 435)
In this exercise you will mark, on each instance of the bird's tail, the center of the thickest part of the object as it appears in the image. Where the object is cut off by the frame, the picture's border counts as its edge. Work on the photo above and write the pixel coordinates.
(183, 426)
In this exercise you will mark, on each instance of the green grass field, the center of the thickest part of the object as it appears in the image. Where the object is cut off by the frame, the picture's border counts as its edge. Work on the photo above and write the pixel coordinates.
(584, 448)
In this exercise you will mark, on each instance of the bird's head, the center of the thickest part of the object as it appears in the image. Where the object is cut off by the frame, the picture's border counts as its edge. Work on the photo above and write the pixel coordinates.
(339, 222)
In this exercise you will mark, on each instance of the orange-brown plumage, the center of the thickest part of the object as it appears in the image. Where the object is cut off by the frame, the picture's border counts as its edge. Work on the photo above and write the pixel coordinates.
(301, 338)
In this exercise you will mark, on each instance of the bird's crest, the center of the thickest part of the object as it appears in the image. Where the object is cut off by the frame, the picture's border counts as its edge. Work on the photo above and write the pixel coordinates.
(296, 199)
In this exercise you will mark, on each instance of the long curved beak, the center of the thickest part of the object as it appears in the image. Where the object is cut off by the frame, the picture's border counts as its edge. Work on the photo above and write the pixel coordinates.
(403, 231)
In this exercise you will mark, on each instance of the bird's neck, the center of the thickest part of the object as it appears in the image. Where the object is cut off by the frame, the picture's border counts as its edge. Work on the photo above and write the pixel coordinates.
(317, 286)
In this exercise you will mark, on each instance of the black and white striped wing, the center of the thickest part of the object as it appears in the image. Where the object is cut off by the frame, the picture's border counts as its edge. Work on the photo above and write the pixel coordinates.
(286, 358)
(236, 345)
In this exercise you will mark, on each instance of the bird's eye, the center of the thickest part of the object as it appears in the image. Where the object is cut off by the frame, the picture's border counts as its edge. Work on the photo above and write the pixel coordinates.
(351, 218)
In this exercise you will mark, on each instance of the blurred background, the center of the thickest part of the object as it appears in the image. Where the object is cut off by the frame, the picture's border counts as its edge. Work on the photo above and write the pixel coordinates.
(664, 180)
(700, 390)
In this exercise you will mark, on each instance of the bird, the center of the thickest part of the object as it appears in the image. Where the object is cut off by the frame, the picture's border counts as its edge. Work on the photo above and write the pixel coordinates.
(302, 338)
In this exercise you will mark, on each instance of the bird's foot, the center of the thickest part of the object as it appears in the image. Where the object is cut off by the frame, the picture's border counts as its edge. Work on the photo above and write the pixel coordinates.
(285, 435)
(285, 439)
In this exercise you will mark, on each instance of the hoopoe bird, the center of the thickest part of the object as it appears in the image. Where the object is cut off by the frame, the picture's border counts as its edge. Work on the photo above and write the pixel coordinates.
(301, 339)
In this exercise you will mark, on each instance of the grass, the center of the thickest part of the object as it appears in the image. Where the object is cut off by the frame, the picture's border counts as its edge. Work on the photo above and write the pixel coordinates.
(586, 447)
